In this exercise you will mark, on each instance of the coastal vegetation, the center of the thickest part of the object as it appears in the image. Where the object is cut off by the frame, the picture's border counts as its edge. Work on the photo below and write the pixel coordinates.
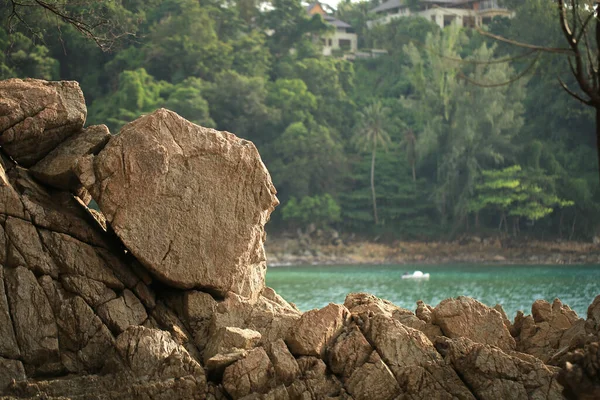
(449, 132)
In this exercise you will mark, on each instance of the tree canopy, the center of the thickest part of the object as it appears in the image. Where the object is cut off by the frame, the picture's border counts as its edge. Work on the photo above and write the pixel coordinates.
(436, 137)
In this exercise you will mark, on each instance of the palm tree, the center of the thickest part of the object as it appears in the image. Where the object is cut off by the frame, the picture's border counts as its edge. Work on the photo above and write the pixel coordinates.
(369, 134)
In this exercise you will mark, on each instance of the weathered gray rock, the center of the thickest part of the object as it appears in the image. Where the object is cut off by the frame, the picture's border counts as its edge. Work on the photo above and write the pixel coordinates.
(206, 197)
(373, 380)
(10, 370)
(108, 387)
(360, 368)
(165, 318)
(547, 330)
(252, 374)
(85, 343)
(10, 202)
(284, 363)
(349, 352)
(8, 341)
(35, 326)
(580, 374)
(311, 334)
(315, 382)
(56, 169)
(215, 366)
(271, 319)
(56, 211)
(36, 116)
(152, 354)
(424, 312)
(417, 366)
(26, 249)
(363, 304)
(93, 292)
(229, 339)
(78, 258)
(466, 317)
(493, 374)
(593, 315)
(120, 313)
(198, 311)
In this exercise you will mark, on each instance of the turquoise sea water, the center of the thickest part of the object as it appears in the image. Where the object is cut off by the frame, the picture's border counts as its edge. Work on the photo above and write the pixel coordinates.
(515, 287)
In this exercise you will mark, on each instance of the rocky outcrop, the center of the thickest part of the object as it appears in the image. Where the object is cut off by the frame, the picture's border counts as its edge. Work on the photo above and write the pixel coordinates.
(491, 373)
(165, 297)
(56, 169)
(466, 317)
(36, 116)
(581, 373)
(206, 197)
(548, 330)
(311, 334)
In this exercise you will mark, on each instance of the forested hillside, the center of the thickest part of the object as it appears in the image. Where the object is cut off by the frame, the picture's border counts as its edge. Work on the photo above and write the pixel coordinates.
(450, 132)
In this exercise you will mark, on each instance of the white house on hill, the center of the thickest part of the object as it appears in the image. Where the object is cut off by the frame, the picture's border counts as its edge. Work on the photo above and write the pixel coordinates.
(467, 13)
(342, 38)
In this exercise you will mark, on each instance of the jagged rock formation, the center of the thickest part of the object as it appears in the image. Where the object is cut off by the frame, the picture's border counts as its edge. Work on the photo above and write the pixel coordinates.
(162, 295)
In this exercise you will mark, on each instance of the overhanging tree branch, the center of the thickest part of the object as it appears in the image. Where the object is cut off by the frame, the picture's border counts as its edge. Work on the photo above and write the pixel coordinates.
(573, 94)
(555, 50)
(103, 30)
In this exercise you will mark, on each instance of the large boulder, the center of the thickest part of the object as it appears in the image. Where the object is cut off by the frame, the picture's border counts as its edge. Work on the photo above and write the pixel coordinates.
(312, 333)
(466, 317)
(36, 115)
(491, 373)
(189, 202)
(417, 366)
(364, 374)
(548, 329)
(252, 374)
(285, 365)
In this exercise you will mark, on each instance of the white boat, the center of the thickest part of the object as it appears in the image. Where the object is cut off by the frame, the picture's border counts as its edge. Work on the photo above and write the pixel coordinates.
(416, 275)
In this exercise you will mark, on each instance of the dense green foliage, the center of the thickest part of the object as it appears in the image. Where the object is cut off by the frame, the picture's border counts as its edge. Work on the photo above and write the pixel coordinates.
(419, 143)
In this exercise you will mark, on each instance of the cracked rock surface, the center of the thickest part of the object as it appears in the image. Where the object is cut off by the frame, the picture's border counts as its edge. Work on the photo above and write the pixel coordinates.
(206, 196)
(163, 295)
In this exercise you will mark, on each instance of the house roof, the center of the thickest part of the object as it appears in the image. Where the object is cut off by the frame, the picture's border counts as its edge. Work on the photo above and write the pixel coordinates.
(328, 18)
(391, 4)
(388, 5)
(336, 22)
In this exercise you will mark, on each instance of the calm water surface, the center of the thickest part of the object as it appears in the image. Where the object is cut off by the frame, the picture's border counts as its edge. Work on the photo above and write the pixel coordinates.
(515, 287)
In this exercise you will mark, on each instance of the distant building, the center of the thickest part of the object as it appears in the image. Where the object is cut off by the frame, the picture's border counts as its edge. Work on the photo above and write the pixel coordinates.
(466, 13)
(343, 38)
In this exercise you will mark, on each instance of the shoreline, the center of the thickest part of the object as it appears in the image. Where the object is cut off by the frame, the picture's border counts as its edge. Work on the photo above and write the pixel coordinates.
(290, 252)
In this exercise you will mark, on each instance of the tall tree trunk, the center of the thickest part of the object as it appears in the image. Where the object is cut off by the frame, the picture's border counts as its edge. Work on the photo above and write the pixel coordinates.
(414, 172)
(373, 186)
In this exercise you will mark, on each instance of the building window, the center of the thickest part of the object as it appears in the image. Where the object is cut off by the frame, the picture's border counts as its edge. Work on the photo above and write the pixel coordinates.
(330, 42)
(448, 19)
(489, 4)
(345, 44)
(468, 22)
(433, 18)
